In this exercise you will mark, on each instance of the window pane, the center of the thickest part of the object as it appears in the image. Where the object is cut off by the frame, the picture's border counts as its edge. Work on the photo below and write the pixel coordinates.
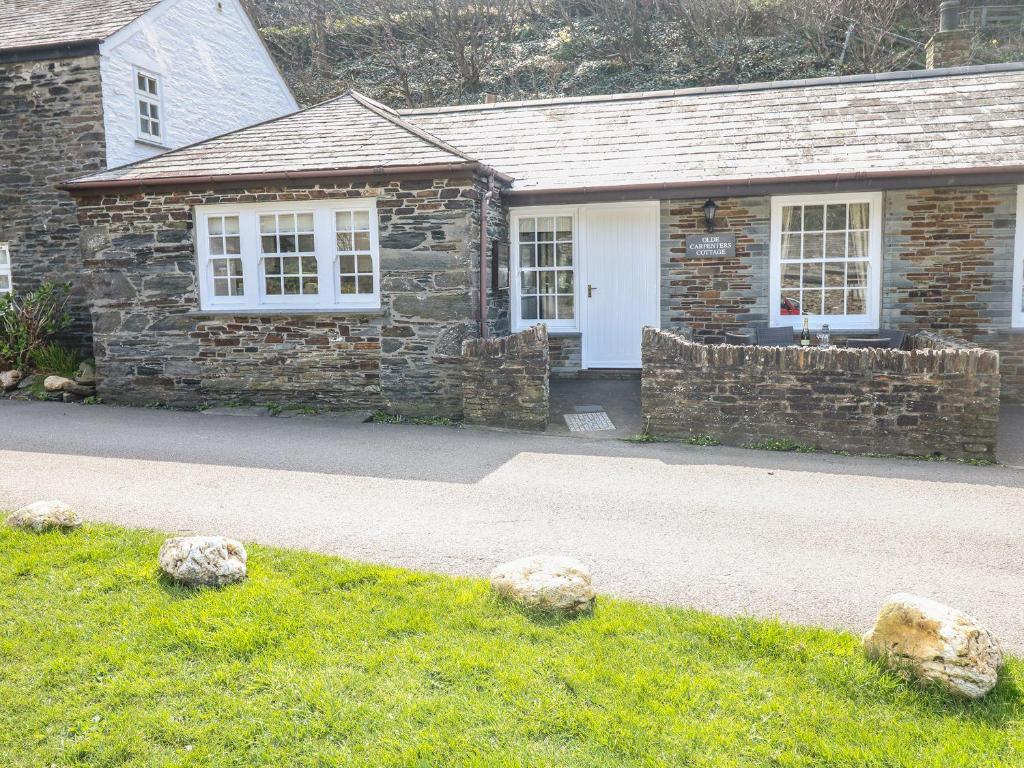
(791, 218)
(272, 266)
(291, 266)
(529, 281)
(362, 241)
(287, 244)
(812, 302)
(306, 244)
(527, 230)
(347, 264)
(152, 85)
(237, 286)
(309, 264)
(545, 229)
(286, 223)
(548, 308)
(814, 218)
(344, 241)
(813, 246)
(565, 307)
(547, 282)
(154, 111)
(154, 128)
(268, 244)
(858, 242)
(268, 224)
(305, 222)
(790, 276)
(835, 245)
(857, 274)
(791, 246)
(564, 228)
(220, 288)
(216, 246)
(273, 286)
(231, 225)
(835, 274)
(564, 254)
(5, 283)
(310, 285)
(233, 244)
(4, 258)
(812, 275)
(855, 303)
(144, 108)
(564, 281)
(361, 220)
(859, 216)
(220, 267)
(141, 82)
(835, 217)
(834, 302)
(366, 283)
(215, 225)
(365, 263)
(348, 284)
(527, 256)
(529, 307)
(292, 286)
(546, 256)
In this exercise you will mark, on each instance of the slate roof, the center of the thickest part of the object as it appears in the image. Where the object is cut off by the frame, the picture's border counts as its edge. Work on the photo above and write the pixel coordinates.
(885, 123)
(969, 119)
(51, 23)
(350, 132)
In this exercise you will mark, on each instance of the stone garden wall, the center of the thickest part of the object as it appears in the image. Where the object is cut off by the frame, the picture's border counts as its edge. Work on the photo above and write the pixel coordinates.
(941, 397)
(154, 345)
(51, 129)
(506, 380)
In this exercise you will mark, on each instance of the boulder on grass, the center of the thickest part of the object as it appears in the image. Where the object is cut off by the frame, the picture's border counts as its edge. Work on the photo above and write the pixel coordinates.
(203, 561)
(925, 640)
(63, 384)
(45, 516)
(9, 380)
(549, 584)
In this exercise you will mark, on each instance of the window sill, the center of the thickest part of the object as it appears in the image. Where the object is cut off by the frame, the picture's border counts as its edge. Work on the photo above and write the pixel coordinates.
(151, 143)
(283, 312)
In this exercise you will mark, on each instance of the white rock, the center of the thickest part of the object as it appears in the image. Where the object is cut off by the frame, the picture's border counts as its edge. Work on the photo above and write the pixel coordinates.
(203, 560)
(926, 640)
(555, 584)
(44, 516)
(56, 383)
(9, 380)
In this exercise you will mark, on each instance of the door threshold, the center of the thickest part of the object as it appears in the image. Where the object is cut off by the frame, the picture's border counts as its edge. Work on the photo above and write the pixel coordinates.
(609, 373)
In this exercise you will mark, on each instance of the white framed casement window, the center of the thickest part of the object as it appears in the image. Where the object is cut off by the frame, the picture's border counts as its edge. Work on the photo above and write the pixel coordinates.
(544, 268)
(6, 280)
(149, 107)
(319, 256)
(826, 256)
(1017, 301)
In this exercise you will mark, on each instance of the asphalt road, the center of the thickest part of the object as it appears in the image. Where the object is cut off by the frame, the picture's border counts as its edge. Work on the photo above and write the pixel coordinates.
(816, 539)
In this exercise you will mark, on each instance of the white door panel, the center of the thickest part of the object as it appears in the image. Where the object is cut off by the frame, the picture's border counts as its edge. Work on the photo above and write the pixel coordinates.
(619, 286)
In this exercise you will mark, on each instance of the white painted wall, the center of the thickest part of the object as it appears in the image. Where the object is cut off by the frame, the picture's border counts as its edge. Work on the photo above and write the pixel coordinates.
(216, 76)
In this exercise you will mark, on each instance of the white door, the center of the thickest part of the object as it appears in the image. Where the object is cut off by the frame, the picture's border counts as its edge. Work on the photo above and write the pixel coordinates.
(619, 286)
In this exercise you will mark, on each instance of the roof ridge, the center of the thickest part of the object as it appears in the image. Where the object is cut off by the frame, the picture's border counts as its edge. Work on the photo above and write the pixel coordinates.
(396, 119)
(910, 74)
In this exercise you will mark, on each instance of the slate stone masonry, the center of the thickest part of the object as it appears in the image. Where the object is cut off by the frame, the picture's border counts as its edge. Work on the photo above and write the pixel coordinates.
(941, 397)
(51, 129)
(506, 380)
(153, 345)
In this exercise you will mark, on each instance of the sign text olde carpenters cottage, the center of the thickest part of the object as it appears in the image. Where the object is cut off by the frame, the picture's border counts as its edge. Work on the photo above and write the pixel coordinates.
(710, 246)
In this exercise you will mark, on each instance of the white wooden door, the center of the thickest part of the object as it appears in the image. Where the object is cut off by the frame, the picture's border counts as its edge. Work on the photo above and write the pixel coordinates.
(619, 282)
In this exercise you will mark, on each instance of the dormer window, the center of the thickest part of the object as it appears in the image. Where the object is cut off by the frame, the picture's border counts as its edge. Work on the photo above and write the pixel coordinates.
(149, 103)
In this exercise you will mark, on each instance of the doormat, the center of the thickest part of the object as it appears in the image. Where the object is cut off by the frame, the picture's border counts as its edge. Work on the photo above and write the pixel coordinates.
(588, 422)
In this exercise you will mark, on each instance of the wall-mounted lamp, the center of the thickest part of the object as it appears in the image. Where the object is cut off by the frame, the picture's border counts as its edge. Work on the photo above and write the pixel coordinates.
(710, 208)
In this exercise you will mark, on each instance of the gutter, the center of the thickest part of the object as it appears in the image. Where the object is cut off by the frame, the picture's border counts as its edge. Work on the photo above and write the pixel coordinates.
(71, 50)
(323, 174)
(932, 177)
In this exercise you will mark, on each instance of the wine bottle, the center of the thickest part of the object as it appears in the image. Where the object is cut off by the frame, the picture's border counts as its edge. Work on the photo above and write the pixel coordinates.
(805, 334)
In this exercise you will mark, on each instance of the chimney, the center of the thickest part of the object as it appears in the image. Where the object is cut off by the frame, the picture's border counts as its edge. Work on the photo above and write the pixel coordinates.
(490, 98)
(951, 45)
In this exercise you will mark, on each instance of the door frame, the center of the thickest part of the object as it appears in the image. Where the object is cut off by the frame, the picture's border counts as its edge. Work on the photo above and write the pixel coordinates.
(579, 212)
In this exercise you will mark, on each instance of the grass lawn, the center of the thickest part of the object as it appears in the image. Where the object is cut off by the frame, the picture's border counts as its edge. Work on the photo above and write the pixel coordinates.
(320, 662)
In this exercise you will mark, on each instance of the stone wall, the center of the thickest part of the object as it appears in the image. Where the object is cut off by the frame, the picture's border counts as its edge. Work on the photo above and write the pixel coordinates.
(566, 354)
(714, 296)
(51, 129)
(153, 344)
(940, 398)
(506, 380)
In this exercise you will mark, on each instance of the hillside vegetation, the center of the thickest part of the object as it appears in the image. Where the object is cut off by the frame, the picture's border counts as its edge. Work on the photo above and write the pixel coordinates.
(427, 52)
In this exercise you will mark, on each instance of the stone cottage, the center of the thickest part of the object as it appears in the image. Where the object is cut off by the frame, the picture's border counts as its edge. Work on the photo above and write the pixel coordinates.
(340, 255)
(92, 84)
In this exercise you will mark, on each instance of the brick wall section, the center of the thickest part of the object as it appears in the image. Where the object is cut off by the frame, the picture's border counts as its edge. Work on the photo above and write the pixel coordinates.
(948, 267)
(940, 398)
(51, 129)
(153, 345)
(715, 296)
(506, 380)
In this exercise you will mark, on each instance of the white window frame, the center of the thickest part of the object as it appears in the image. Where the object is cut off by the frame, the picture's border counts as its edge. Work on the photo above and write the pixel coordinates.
(1017, 303)
(139, 95)
(255, 299)
(5, 268)
(870, 319)
(558, 326)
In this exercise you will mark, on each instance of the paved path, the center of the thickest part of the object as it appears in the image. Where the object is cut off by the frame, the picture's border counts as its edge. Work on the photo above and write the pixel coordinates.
(810, 538)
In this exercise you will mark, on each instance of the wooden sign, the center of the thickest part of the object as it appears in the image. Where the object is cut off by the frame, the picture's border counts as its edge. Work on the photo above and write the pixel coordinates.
(711, 246)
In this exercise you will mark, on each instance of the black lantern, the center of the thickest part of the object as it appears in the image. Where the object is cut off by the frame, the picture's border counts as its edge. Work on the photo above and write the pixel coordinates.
(710, 207)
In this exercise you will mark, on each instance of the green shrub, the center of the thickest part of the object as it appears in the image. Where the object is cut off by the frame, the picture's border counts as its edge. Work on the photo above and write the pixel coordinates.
(28, 320)
(55, 359)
